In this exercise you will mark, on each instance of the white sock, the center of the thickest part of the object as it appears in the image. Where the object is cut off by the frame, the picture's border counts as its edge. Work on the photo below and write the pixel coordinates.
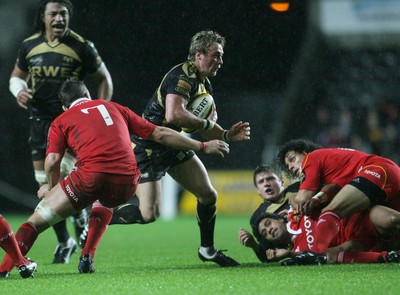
(208, 252)
(68, 243)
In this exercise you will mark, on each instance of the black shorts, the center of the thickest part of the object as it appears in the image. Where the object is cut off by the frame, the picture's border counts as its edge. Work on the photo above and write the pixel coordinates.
(375, 194)
(38, 137)
(155, 162)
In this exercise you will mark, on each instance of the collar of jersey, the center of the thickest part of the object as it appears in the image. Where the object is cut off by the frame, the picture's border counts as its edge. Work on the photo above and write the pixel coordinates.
(79, 101)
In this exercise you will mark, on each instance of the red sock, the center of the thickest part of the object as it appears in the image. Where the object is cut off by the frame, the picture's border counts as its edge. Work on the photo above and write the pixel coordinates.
(9, 243)
(99, 219)
(351, 256)
(326, 230)
(25, 236)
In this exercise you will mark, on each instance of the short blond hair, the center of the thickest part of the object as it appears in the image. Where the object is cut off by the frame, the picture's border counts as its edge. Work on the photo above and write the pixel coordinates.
(201, 41)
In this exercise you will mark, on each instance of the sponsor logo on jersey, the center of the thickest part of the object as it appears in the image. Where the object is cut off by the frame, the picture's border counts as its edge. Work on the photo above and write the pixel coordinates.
(309, 232)
(6, 237)
(68, 59)
(51, 71)
(36, 60)
(373, 173)
(185, 85)
(71, 193)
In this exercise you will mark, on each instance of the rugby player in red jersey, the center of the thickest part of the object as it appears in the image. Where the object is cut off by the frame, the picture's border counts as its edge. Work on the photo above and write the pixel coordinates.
(45, 60)
(98, 132)
(361, 238)
(365, 180)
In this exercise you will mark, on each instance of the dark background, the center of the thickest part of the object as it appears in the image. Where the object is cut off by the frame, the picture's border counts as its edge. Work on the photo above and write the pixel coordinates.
(141, 40)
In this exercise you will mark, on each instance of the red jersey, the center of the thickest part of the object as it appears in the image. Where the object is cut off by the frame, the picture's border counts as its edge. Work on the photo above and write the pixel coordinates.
(98, 132)
(358, 227)
(340, 166)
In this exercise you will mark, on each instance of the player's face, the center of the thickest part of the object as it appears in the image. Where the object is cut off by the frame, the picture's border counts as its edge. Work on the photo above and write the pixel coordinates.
(273, 231)
(293, 161)
(56, 20)
(269, 186)
(209, 64)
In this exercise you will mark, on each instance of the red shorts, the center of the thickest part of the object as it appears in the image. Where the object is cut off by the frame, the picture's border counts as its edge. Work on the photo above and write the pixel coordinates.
(385, 174)
(358, 227)
(111, 190)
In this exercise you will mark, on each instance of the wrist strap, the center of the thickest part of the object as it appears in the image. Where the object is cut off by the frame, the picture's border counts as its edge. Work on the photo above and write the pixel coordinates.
(320, 197)
(202, 146)
(208, 124)
(16, 85)
(225, 136)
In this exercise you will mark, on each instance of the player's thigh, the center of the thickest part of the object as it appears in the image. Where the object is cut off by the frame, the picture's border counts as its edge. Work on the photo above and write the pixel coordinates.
(59, 202)
(193, 176)
(348, 201)
(149, 194)
(385, 219)
(55, 207)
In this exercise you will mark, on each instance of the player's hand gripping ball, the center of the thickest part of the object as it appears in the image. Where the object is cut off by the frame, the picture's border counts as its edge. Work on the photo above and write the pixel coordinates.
(201, 106)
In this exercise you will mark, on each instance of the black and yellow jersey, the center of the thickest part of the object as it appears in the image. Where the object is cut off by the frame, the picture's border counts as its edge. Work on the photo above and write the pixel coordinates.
(182, 80)
(49, 64)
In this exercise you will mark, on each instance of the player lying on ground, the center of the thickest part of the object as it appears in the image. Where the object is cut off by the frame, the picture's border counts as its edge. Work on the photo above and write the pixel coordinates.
(269, 183)
(365, 180)
(362, 238)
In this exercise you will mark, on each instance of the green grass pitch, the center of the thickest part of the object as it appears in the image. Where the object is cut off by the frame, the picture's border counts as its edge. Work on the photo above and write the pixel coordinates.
(161, 258)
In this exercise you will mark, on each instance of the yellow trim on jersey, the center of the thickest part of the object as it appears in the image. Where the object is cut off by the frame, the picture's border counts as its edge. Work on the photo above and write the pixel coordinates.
(188, 69)
(61, 49)
(33, 37)
(76, 36)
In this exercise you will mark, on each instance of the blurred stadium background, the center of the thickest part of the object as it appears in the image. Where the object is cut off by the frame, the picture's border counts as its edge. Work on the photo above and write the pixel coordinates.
(328, 70)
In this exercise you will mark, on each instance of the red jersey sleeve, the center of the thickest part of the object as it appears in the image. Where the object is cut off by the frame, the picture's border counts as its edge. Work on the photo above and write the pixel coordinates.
(56, 141)
(312, 173)
(136, 124)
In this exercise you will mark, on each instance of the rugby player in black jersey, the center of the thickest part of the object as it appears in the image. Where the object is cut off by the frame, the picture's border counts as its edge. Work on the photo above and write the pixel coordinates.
(269, 182)
(45, 59)
(167, 107)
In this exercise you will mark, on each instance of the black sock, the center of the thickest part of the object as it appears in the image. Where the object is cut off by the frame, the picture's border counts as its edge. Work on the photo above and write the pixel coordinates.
(61, 231)
(79, 220)
(206, 215)
(127, 214)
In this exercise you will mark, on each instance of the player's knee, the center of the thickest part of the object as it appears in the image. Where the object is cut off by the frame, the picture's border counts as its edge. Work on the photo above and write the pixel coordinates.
(40, 177)
(394, 220)
(47, 214)
(208, 198)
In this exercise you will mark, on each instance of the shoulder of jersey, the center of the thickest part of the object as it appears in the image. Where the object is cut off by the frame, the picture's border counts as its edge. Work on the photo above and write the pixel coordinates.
(33, 37)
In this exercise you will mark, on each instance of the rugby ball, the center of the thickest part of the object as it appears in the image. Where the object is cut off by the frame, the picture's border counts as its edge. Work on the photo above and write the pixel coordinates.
(201, 107)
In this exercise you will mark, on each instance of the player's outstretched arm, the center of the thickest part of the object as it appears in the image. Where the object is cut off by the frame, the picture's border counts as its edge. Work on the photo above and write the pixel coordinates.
(171, 138)
(238, 132)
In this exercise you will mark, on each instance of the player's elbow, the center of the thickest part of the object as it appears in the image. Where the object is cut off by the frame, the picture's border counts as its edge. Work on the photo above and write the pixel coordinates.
(160, 134)
(53, 160)
(172, 118)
